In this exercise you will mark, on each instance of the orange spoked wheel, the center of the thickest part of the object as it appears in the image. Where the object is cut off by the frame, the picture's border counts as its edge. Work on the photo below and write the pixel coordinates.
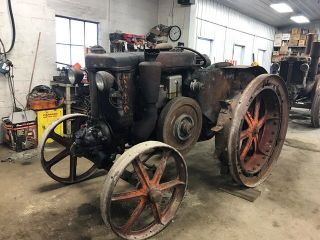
(143, 190)
(258, 130)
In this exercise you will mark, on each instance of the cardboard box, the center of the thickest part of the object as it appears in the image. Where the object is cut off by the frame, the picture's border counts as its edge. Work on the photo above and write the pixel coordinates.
(276, 59)
(275, 53)
(278, 40)
(303, 37)
(293, 43)
(304, 31)
(312, 30)
(302, 43)
(296, 31)
(295, 37)
(284, 50)
(286, 36)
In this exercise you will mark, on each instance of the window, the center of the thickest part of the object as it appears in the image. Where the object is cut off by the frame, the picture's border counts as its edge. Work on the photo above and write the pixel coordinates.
(205, 46)
(238, 54)
(72, 36)
(260, 58)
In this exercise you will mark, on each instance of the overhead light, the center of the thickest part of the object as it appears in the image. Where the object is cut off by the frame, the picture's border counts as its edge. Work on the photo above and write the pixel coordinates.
(300, 19)
(281, 7)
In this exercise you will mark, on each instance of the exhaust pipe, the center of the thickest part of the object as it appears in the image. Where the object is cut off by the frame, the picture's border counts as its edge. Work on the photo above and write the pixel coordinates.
(150, 76)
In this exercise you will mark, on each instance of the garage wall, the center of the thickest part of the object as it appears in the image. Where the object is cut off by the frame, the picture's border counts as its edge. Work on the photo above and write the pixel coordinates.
(171, 13)
(134, 16)
(32, 17)
(227, 27)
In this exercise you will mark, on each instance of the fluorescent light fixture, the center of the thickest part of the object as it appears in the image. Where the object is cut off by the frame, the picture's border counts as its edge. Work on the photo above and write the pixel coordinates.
(300, 19)
(281, 7)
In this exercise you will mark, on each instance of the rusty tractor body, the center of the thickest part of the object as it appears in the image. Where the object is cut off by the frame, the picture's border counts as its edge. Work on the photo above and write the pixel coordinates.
(151, 108)
(302, 78)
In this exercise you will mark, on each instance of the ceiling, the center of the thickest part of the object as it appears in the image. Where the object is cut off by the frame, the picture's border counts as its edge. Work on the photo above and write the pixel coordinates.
(260, 10)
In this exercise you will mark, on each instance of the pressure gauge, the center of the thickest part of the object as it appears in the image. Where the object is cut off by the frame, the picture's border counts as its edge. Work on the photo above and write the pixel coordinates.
(175, 33)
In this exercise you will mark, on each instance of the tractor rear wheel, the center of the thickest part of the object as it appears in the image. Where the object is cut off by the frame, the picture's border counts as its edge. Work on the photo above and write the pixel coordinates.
(257, 130)
(315, 108)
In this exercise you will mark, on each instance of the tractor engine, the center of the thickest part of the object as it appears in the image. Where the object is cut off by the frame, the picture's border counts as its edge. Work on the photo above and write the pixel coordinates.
(129, 89)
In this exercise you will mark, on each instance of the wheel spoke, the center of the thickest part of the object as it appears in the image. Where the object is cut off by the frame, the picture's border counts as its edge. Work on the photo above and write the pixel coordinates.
(156, 212)
(257, 109)
(255, 144)
(246, 149)
(264, 119)
(73, 168)
(170, 185)
(59, 139)
(135, 215)
(249, 119)
(244, 134)
(60, 156)
(141, 172)
(160, 169)
(127, 196)
(145, 157)
(261, 122)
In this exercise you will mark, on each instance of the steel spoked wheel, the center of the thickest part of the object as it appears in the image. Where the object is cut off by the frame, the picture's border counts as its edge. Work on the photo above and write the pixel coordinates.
(315, 108)
(56, 155)
(180, 124)
(258, 130)
(143, 190)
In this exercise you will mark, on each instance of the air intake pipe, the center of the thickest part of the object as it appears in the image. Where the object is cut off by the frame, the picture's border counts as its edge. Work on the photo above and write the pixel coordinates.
(150, 76)
(310, 39)
(315, 57)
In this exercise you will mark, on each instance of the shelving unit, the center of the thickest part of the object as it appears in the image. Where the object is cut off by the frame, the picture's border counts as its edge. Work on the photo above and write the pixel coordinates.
(293, 43)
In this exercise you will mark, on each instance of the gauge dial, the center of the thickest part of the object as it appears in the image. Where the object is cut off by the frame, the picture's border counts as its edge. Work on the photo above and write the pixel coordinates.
(175, 33)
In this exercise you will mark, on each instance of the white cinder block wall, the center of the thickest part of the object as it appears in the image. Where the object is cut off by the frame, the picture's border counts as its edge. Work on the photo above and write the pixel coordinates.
(32, 17)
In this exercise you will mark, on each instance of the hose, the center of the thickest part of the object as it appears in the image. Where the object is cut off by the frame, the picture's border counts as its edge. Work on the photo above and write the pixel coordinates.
(196, 52)
(13, 41)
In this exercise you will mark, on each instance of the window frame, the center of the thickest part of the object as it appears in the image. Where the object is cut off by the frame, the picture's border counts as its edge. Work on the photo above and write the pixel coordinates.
(211, 41)
(70, 38)
(263, 51)
(243, 48)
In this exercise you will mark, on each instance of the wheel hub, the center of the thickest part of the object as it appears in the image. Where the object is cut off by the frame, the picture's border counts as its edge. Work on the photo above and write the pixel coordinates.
(183, 127)
(155, 195)
(255, 131)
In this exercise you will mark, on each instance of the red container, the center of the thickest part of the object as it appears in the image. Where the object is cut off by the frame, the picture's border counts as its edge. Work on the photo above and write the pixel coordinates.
(20, 136)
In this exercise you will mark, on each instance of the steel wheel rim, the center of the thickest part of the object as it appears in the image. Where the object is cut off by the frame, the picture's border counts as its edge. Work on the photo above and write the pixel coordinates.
(162, 217)
(261, 84)
(65, 142)
(259, 132)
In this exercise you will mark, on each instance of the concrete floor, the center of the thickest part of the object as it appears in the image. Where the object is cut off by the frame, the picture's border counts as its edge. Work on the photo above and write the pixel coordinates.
(32, 206)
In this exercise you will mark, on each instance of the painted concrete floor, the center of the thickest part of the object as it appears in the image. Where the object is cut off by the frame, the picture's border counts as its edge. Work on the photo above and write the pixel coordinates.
(32, 206)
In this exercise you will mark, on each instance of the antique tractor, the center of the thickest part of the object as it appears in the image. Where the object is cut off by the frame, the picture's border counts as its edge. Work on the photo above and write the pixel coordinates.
(157, 105)
(302, 78)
